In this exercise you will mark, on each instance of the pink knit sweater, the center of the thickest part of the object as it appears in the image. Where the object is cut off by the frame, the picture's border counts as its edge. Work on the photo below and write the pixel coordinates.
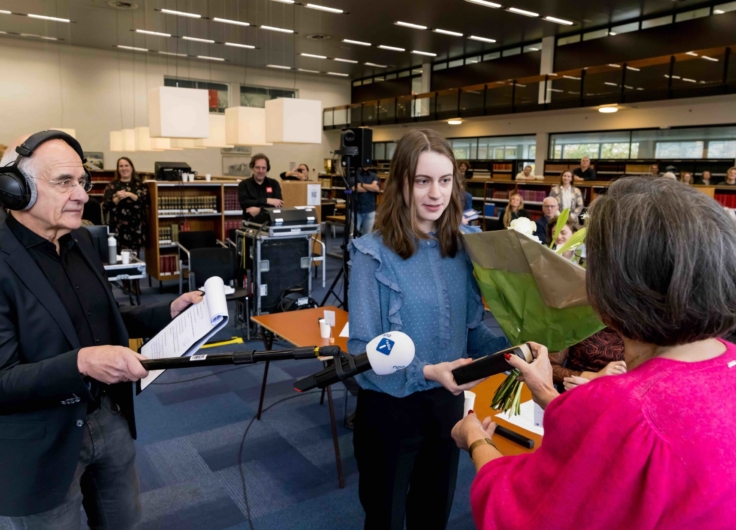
(654, 448)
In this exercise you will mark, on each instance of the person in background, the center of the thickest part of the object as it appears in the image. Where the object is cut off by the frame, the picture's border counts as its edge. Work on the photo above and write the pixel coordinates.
(706, 178)
(550, 210)
(568, 196)
(514, 210)
(563, 237)
(367, 189)
(527, 174)
(126, 204)
(730, 177)
(687, 178)
(465, 169)
(669, 175)
(654, 170)
(584, 172)
(652, 448)
(301, 172)
(259, 191)
(412, 275)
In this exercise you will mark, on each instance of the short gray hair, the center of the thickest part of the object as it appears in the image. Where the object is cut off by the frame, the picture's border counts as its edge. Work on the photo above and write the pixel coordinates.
(669, 175)
(658, 272)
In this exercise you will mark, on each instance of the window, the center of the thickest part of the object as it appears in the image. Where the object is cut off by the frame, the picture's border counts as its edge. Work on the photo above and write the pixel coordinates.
(405, 73)
(357, 83)
(390, 76)
(439, 66)
(678, 150)
(722, 149)
(615, 150)
(416, 71)
(456, 62)
(536, 47)
(367, 81)
(507, 147)
(491, 56)
(256, 96)
(724, 8)
(465, 148)
(378, 79)
(690, 15)
(654, 22)
(218, 92)
(595, 34)
(625, 28)
(609, 144)
(511, 51)
(568, 40)
(472, 60)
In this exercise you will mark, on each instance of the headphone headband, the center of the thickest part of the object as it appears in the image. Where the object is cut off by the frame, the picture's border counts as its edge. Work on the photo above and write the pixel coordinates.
(27, 148)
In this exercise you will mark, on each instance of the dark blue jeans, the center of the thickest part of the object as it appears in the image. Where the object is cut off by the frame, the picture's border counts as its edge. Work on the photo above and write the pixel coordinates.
(105, 482)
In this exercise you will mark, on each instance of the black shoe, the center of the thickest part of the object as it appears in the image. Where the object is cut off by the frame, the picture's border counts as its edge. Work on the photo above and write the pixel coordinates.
(350, 421)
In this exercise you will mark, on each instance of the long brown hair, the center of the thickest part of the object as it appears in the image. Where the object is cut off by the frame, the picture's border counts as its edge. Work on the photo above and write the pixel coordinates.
(507, 214)
(133, 176)
(397, 221)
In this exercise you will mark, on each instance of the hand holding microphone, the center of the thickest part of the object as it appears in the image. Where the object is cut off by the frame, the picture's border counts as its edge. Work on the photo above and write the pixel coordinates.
(442, 373)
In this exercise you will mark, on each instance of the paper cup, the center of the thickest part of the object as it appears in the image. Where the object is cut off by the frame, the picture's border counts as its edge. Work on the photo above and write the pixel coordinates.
(469, 402)
(324, 329)
(125, 256)
(208, 177)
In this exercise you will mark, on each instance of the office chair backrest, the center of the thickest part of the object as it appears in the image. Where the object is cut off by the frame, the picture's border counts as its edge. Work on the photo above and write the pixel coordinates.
(208, 262)
(199, 239)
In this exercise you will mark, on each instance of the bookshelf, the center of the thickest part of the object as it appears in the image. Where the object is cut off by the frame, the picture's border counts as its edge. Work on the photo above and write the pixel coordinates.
(612, 169)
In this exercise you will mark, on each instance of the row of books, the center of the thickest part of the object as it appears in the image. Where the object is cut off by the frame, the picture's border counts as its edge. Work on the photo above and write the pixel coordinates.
(231, 200)
(173, 205)
(503, 167)
(533, 195)
(726, 199)
(168, 264)
(231, 224)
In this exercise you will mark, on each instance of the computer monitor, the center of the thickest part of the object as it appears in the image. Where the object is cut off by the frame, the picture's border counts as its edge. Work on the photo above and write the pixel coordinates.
(171, 170)
(99, 235)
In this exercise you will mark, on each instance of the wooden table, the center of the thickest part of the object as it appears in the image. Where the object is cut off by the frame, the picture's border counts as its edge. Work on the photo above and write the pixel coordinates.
(301, 328)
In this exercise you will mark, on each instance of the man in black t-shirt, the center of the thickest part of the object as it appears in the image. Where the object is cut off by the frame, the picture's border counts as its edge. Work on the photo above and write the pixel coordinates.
(584, 172)
(259, 191)
(365, 200)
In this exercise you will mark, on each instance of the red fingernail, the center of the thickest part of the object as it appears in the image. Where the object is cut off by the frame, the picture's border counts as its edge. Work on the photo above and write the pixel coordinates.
(507, 356)
(471, 412)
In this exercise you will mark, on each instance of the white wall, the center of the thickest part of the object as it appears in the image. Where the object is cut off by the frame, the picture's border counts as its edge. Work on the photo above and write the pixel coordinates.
(95, 91)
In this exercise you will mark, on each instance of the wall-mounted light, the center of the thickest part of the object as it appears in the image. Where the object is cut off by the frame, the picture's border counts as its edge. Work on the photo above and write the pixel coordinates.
(608, 109)
(456, 121)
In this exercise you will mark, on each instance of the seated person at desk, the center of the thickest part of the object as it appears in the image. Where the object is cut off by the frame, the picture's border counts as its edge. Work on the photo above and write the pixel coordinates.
(465, 169)
(706, 179)
(730, 177)
(259, 191)
(514, 210)
(584, 172)
(301, 172)
(568, 196)
(551, 209)
(654, 170)
(527, 174)
(687, 178)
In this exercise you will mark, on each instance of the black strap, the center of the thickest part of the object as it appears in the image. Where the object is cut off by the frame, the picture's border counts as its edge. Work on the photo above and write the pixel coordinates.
(27, 148)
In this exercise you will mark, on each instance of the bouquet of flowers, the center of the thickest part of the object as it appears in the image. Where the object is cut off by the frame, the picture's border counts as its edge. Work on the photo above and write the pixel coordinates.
(535, 294)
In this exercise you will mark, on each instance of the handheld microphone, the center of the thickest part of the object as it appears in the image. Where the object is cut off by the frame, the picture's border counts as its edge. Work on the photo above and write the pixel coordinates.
(491, 364)
(385, 355)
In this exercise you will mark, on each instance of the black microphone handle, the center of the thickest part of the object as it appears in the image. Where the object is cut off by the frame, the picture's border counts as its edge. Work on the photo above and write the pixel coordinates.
(329, 375)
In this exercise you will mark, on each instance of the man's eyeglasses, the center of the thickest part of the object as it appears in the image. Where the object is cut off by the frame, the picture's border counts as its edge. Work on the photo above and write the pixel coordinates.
(67, 184)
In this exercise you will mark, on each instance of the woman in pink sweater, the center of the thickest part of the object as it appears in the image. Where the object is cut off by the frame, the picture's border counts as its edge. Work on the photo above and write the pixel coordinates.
(654, 448)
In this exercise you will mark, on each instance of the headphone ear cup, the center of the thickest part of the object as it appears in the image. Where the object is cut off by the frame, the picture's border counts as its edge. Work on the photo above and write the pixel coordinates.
(14, 191)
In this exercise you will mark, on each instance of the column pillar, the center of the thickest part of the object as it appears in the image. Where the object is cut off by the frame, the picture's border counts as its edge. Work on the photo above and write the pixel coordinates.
(546, 65)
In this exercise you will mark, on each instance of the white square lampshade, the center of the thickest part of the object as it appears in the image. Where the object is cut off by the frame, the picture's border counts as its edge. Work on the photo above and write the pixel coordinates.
(184, 143)
(217, 133)
(128, 140)
(245, 126)
(70, 132)
(178, 113)
(294, 121)
(116, 140)
(143, 141)
(160, 144)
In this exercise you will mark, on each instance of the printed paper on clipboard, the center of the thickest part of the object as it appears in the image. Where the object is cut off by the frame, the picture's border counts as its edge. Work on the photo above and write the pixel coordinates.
(188, 331)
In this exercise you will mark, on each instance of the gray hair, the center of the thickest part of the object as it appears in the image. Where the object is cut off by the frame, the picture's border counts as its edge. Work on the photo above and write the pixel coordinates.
(669, 175)
(660, 273)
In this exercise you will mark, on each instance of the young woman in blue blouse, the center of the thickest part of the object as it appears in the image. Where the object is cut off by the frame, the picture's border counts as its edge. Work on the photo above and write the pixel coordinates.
(412, 275)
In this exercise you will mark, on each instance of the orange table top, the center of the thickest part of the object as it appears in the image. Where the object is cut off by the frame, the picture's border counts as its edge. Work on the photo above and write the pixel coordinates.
(301, 328)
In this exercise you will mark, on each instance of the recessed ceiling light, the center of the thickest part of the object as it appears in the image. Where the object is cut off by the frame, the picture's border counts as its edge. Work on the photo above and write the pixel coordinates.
(559, 21)
(132, 48)
(180, 13)
(691, 53)
(174, 54)
(610, 84)
(709, 58)
(359, 43)
(238, 45)
(313, 56)
(612, 33)
(280, 67)
(481, 39)
(428, 54)
(53, 19)
(197, 39)
(338, 74)
(209, 58)
(454, 122)
(615, 65)
(3, 12)
(523, 12)
(285, 1)
(392, 48)
(633, 69)
(282, 30)
(228, 21)
(324, 8)
(345, 60)
(409, 25)
(718, 11)
(446, 32)
(376, 65)
(308, 71)
(156, 33)
(608, 110)
(484, 3)
(571, 77)
(689, 80)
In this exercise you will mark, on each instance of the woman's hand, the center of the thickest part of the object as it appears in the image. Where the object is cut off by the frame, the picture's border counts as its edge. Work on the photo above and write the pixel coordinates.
(613, 368)
(536, 374)
(442, 373)
(471, 429)
(574, 381)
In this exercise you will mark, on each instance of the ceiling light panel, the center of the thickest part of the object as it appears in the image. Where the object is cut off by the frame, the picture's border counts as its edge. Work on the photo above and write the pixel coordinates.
(345, 60)
(338, 74)
(180, 13)
(409, 25)
(392, 48)
(376, 65)
(484, 3)
(481, 39)
(309, 71)
(155, 33)
(523, 12)
(325, 8)
(280, 67)
(313, 56)
(132, 48)
(428, 54)
(447, 32)
(237, 45)
(197, 39)
(272, 28)
(559, 21)
(228, 21)
(52, 19)
(359, 43)
(210, 58)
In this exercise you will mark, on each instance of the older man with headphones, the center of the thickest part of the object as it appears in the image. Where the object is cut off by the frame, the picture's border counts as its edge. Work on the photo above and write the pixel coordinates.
(259, 191)
(66, 394)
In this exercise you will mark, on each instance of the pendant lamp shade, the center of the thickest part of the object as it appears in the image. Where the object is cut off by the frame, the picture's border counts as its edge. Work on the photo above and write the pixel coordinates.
(143, 141)
(178, 113)
(70, 132)
(129, 140)
(116, 141)
(184, 143)
(245, 126)
(217, 133)
(160, 144)
(294, 121)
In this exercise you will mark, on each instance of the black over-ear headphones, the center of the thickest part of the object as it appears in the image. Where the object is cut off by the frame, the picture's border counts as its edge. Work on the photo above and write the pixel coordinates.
(17, 191)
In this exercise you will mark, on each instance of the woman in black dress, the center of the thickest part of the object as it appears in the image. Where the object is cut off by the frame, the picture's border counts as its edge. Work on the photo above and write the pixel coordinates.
(126, 203)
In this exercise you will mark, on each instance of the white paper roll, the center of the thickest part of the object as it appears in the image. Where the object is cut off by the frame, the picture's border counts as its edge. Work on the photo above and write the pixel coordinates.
(469, 402)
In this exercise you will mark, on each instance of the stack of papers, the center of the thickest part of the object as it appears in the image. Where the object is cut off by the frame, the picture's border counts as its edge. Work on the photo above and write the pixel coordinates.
(526, 419)
(471, 215)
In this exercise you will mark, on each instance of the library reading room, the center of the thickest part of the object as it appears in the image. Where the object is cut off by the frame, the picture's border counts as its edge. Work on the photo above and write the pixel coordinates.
(387, 265)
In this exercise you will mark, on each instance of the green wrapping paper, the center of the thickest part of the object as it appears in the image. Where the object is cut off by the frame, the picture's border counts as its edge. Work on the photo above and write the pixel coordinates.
(534, 294)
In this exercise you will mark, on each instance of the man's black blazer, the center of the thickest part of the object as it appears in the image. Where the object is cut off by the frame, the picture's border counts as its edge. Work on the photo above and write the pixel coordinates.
(43, 397)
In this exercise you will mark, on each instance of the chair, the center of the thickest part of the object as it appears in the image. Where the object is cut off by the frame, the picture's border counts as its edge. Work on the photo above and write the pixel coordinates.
(189, 241)
(204, 263)
(93, 211)
(320, 258)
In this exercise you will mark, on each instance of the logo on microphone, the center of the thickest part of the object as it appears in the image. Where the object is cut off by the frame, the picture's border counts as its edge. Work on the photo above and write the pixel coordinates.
(385, 346)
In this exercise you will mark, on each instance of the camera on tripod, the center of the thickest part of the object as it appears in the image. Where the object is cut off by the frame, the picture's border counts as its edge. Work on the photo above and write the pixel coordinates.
(356, 147)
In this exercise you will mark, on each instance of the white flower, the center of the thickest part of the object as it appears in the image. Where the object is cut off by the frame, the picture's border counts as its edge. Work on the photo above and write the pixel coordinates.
(525, 226)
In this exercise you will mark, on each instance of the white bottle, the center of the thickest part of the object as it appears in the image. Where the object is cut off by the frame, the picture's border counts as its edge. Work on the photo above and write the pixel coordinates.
(112, 250)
